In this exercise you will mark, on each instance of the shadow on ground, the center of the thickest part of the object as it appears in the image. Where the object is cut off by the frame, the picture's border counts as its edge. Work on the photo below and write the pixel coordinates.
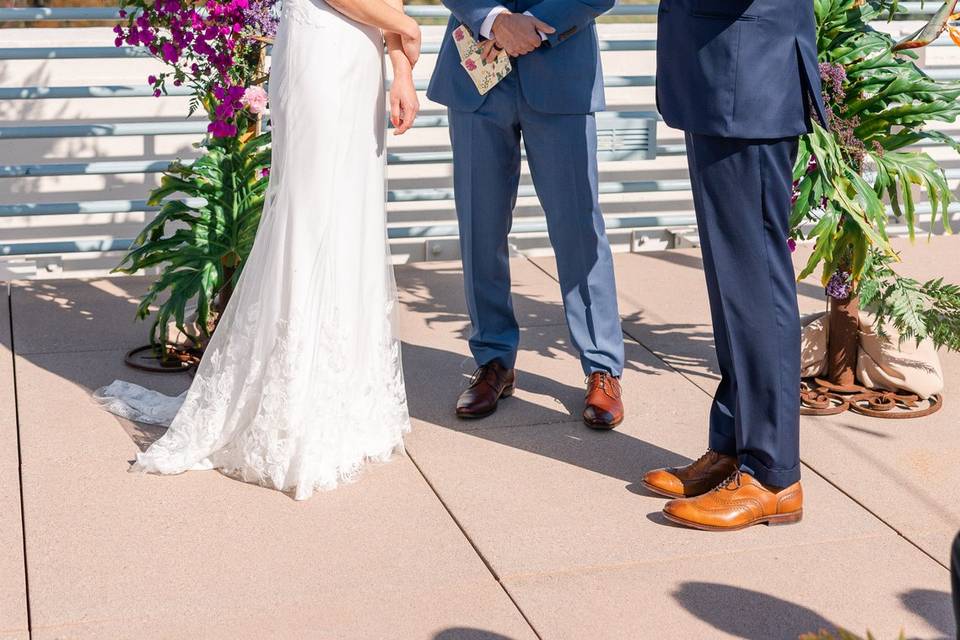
(749, 614)
(464, 633)
(435, 377)
(79, 330)
(936, 607)
(753, 615)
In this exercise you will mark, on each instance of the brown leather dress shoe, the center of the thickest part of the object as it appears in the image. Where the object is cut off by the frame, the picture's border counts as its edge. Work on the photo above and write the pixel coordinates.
(737, 503)
(695, 479)
(603, 408)
(490, 382)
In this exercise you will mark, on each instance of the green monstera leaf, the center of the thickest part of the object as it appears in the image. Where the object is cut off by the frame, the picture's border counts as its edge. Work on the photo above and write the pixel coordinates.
(866, 168)
(201, 237)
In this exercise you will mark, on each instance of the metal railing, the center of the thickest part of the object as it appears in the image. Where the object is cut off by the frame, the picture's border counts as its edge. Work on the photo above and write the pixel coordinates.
(910, 11)
(644, 146)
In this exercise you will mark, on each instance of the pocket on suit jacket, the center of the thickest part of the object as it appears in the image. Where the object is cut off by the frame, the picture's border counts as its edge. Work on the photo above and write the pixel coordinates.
(714, 49)
(724, 10)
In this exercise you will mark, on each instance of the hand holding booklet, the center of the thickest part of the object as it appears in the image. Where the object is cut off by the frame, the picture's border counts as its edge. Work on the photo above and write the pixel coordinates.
(484, 74)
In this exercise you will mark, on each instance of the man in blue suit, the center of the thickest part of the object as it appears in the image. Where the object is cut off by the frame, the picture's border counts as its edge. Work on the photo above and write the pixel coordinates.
(550, 98)
(740, 78)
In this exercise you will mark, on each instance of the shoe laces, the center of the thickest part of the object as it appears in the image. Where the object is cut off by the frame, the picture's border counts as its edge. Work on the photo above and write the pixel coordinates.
(705, 456)
(475, 378)
(735, 479)
(601, 379)
(481, 374)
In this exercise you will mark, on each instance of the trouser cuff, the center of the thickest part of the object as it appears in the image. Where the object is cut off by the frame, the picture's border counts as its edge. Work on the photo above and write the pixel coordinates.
(508, 360)
(592, 367)
(765, 475)
(723, 444)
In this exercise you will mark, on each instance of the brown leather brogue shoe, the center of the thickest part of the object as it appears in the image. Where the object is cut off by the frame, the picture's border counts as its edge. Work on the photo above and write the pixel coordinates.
(489, 383)
(737, 503)
(695, 479)
(603, 407)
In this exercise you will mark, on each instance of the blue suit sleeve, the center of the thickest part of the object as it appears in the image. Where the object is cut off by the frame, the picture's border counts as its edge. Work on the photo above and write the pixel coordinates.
(471, 12)
(568, 16)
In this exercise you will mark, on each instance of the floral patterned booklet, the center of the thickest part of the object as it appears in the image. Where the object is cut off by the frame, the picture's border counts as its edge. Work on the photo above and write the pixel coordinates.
(484, 74)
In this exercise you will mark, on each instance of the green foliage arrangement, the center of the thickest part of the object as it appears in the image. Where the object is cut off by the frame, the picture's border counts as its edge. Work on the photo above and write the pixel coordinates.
(201, 242)
(879, 102)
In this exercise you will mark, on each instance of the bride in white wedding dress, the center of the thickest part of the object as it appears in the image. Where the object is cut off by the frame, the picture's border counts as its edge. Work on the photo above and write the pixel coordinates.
(302, 382)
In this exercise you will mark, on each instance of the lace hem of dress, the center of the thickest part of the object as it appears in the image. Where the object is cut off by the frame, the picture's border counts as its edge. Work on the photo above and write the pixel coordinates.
(278, 421)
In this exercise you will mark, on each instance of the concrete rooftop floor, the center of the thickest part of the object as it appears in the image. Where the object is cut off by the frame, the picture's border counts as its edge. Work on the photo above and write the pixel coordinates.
(525, 525)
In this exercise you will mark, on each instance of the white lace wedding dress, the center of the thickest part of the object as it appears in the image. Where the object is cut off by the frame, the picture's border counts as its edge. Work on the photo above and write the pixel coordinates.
(302, 382)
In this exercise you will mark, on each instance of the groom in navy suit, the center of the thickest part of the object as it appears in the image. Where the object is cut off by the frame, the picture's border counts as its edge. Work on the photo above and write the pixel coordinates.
(740, 78)
(549, 98)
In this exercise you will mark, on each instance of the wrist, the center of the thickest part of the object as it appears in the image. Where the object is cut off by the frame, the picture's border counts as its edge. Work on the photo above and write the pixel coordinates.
(402, 71)
(499, 21)
(411, 29)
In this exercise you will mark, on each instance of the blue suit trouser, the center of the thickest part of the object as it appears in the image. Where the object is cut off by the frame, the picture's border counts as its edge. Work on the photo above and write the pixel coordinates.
(562, 155)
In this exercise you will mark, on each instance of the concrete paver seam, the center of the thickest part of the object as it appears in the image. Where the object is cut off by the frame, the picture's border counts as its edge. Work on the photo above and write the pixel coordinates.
(16, 414)
(475, 548)
(877, 516)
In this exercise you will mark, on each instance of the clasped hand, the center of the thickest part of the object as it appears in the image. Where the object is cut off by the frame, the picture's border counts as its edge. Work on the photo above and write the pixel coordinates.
(404, 104)
(517, 33)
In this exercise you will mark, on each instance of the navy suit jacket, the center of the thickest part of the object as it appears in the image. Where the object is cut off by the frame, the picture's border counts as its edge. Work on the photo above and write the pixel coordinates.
(738, 68)
(562, 76)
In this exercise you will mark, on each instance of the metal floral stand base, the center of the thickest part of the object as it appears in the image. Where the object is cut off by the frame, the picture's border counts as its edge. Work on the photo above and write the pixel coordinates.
(840, 390)
(148, 358)
(820, 397)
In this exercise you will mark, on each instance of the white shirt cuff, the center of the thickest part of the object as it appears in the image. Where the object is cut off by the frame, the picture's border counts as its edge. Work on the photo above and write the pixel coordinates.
(487, 25)
(543, 36)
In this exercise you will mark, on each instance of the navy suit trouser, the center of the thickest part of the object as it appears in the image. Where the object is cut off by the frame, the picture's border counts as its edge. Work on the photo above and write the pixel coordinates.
(742, 191)
(955, 580)
(562, 155)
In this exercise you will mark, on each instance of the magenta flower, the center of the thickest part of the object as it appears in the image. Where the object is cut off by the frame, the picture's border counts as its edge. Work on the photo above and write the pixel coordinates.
(214, 47)
(222, 129)
(792, 244)
(169, 53)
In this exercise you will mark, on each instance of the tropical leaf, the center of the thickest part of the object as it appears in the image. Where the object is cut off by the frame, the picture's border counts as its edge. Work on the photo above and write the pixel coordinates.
(200, 248)
(881, 116)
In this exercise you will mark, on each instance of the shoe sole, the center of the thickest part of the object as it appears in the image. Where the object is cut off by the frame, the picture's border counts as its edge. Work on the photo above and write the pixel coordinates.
(663, 492)
(506, 393)
(603, 426)
(776, 520)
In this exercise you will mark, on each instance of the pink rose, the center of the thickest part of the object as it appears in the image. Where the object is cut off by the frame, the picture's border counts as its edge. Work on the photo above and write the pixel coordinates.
(458, 35)
(255, 99)
(470, 65)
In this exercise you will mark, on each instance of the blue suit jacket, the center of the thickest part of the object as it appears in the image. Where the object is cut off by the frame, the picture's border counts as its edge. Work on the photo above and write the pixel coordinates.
(738, 68)
(562, 76)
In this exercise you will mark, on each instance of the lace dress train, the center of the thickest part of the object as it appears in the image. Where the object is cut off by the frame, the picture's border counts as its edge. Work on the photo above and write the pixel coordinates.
(302, 381)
